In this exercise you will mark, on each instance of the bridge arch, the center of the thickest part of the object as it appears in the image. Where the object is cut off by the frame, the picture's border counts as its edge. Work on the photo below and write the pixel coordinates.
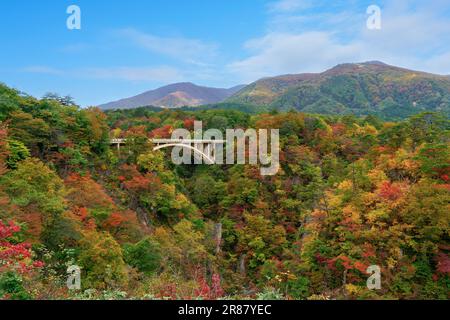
(202, 154)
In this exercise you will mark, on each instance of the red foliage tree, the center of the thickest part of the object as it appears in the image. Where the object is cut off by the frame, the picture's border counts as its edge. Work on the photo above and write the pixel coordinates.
(189, 124)
(390, 191)
(209, 292)
(162, 133)
(15, 257)
(85, 192)
(443, 263)
(122, 224)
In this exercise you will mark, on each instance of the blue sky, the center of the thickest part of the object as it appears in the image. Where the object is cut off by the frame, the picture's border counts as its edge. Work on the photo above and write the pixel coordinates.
(127, 47)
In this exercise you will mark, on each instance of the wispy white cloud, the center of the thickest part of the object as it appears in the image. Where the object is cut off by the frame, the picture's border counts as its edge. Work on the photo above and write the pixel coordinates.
(289, 5)
(146, 74)
(439, 63)
(192, 60)
(42, 70)
(300, 36)
(188, 50)
(76, 48)
(414, 34)
(281, 53)
(137, 74)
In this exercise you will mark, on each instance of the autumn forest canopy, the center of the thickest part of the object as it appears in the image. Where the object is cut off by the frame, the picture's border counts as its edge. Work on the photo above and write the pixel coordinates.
(351, 192)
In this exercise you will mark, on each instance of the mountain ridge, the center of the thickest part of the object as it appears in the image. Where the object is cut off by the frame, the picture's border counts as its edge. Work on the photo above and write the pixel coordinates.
(371, 87)
(174, 96)
(364, 88)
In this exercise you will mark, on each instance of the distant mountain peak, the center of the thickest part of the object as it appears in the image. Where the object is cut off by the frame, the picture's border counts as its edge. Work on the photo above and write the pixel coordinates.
(371, 87)
(175, 95)
(376, 63)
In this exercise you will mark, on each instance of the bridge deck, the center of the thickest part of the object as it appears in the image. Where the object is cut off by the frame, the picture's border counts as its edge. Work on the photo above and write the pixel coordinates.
(182, 141)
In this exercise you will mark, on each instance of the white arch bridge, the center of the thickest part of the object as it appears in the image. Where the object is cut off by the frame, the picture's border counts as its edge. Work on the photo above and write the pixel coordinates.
(205, 149)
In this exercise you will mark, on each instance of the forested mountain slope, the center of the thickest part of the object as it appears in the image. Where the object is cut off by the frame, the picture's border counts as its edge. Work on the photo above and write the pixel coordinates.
(352, 192)
(360, 89)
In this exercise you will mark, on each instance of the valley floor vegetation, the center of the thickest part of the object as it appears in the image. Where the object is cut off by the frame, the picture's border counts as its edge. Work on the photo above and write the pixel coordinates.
(352, 192)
